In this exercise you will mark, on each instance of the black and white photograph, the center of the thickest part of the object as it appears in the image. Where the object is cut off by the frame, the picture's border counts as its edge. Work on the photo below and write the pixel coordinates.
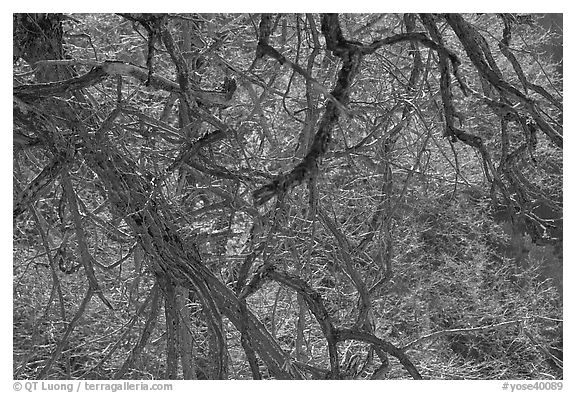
(286, 196)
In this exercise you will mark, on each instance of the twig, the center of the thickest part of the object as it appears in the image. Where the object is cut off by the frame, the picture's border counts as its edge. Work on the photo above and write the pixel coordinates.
(144, 336)
(85, 256)
(435, 335)
(64, 340)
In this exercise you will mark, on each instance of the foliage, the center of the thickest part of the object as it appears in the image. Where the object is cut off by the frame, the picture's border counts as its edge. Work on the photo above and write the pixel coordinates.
(364, 196)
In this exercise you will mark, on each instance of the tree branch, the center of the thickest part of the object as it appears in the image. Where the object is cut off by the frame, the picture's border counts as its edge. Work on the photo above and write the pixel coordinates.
(308, 167)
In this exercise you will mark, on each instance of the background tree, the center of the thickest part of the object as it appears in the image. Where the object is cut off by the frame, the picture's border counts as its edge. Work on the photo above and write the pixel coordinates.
(289, 196)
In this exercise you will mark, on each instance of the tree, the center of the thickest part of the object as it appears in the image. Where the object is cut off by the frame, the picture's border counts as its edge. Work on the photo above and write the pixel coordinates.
(158, 160)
